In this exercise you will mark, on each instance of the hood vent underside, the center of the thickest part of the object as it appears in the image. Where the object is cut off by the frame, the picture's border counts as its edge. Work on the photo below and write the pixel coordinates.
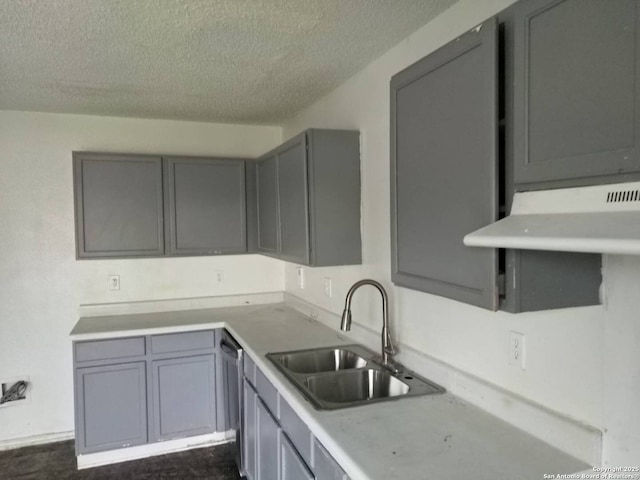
(595, 219)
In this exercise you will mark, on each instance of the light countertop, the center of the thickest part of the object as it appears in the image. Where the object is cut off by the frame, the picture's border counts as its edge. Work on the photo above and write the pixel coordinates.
(426, 437)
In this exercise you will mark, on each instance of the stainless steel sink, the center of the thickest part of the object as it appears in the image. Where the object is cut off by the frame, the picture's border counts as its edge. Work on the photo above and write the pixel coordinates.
(321, 360)
(347, 376)
(355, 386)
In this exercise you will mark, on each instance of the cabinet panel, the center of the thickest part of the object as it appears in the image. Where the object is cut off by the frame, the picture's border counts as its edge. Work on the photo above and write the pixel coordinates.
(229, 393)
(267, 392)
(267, 184)
(109, 349)
(184, 397)
(292, 467)
(293, 200)
(267, 443)
(334, 197)
(249, 426)
(111, 407)
(296, 429)
(324, 466)
(309, 199)
(119, 205)
(182, 342)
(206, 206)
(576, 109)
(444, 169)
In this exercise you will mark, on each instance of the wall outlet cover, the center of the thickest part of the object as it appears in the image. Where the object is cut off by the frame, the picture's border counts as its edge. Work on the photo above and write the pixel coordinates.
(517, 351)
(114, 282)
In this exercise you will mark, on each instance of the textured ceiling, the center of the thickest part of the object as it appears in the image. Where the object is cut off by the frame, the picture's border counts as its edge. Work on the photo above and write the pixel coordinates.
(239, 61)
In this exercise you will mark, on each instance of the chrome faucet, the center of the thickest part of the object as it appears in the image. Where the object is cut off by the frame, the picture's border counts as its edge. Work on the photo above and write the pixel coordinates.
(387, 347)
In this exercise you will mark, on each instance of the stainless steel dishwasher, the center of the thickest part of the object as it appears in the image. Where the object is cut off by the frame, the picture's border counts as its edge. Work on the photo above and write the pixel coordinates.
(233, 367)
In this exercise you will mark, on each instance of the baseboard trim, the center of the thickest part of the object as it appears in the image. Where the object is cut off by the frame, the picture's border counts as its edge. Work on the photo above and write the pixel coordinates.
(152, 449)
(567, 434)
(35, 440)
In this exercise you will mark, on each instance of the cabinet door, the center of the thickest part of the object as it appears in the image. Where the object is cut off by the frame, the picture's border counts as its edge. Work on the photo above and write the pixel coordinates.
(267, 443)
(293, 202)
(324, 466)
(111, 407)
(292, 467)
(206, 206)
(576, 113)
(119, 205)
(267, 185)
(444, 169)
(183, 397)
(249, 431)
(228, 394)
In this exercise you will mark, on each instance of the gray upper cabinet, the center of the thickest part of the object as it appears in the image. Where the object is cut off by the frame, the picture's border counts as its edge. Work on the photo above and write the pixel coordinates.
(206, 211)
(119, 205)
(293, 202)
(576, 109)
(127, 205)
(444, 168)
(455, 140)
(309, 199)
(267, 204)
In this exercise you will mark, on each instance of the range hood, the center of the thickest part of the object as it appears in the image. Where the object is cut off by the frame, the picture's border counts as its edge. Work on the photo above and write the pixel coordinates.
(593, 219)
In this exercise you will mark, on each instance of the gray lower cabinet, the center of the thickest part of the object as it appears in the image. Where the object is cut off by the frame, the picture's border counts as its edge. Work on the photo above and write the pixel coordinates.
(324, 466)
(268, 432)
(118, 205)
(309, 199)
(111, 407)
(228, 392)
(184, 396)
(136, 390)
(277, 444)
(206, 211)
(575, 92)
(249, 430)
(292, 467)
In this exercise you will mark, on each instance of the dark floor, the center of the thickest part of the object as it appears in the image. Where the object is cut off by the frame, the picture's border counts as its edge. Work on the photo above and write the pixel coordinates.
(58, 461)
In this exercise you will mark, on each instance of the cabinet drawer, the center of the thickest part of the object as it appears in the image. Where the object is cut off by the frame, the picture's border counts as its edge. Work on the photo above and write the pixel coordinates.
(249, 369)
(182, 342)
(267, 392)
(109, 349)
(296, 430)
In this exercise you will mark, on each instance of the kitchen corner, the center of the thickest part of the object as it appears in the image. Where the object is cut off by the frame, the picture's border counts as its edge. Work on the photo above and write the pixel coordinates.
(427, 437)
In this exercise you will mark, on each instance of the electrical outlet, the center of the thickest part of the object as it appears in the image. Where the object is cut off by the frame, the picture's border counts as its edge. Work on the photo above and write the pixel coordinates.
(300, 273)
(219, 276)
(327, 287)
(114, 282)
(517, 350)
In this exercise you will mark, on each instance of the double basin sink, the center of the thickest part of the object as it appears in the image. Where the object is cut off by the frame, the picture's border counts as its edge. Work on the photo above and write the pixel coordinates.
(347, 376)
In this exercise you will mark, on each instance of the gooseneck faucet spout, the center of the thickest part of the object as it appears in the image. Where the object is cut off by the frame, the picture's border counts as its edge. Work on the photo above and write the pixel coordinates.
(345, 325)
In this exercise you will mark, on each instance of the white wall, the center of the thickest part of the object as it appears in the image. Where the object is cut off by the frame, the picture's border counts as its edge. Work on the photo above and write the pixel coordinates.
(564, 347)
(41, 283)
(621, 349)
